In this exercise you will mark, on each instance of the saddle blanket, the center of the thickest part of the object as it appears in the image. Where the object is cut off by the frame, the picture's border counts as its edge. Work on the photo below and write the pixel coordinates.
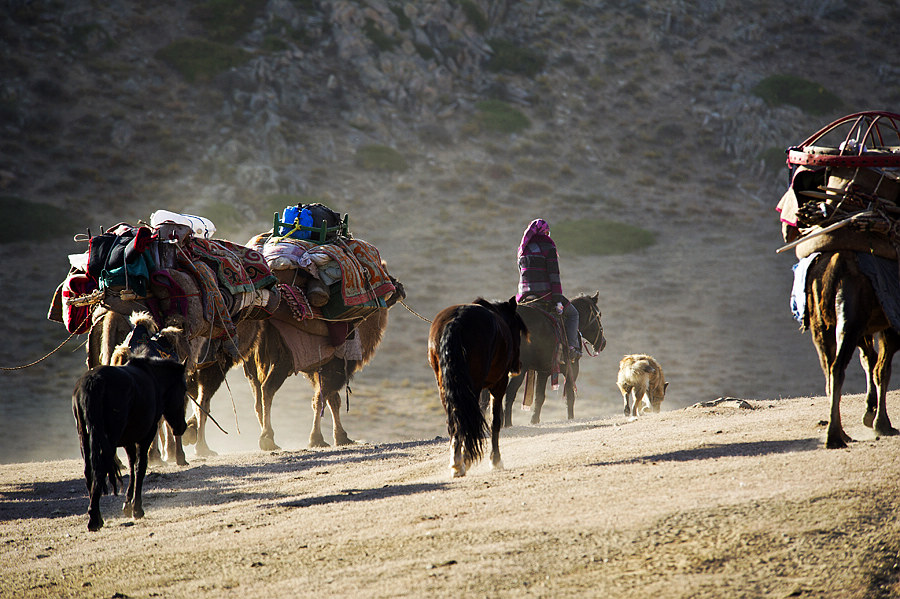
(363, 278)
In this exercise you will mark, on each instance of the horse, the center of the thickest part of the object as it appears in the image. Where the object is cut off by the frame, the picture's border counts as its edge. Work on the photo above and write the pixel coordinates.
(540, 351)
(120, 406)
(845, 313)
(269, 363)
(473, 347)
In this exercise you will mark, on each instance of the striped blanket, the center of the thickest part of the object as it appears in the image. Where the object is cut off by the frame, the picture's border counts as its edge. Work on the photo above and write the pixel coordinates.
(363, 277)
(238, 268)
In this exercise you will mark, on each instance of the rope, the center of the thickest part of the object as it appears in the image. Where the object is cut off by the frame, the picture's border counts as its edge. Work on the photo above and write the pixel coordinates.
(402, 303)
(53, 351)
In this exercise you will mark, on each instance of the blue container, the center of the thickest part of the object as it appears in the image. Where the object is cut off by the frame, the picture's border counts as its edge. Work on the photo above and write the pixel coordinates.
(290, 215)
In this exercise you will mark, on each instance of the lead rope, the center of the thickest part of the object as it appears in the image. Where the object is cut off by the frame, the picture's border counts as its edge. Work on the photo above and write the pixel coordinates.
(54, 350)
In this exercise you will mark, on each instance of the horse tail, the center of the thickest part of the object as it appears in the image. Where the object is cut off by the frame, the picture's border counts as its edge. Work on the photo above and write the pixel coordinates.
(99, 454)
(465, 422)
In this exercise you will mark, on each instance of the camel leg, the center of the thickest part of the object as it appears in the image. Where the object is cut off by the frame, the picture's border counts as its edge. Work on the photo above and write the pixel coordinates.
(205, 382)
(890, 343)
(155, 456)
(318, 406)
(511, 390)
(263, 393)
(329, 380)
(540, 394)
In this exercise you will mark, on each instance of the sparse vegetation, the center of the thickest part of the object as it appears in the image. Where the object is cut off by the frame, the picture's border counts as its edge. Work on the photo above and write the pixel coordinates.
(227, 21)
(806, 95)
(511, 57)
(600, 237)
(21, 219)
(498, 116)
(474, 15)
(201, 60)
(380, 158)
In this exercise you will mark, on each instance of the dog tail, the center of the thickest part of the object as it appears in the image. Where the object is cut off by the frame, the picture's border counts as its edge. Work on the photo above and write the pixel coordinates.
(465, 421)
(99, 454)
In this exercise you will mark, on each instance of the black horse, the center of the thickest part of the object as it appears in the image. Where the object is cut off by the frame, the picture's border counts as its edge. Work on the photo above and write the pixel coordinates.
(473, 347)
(120, 406)
(540, 352)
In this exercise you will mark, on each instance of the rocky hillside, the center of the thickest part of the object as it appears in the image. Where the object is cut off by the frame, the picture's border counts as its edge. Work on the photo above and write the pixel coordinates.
(443, 127)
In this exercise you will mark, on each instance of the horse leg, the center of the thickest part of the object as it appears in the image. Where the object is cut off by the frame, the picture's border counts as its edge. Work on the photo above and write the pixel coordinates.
(497, 394)
(540, 394)
(511, 390)
(890, 343)
(458, 464)
(868, 358)
(137, 501)
(128, 507)
(571, 376)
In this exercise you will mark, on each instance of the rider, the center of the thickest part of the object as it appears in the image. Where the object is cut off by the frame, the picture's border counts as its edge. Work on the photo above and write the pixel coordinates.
(539, 278)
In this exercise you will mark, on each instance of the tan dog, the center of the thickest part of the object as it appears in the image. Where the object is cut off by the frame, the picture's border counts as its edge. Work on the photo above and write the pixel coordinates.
(642, 384)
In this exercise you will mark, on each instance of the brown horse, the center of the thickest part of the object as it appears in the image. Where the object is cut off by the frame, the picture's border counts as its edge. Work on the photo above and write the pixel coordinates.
(845, 313)
(539, 352)
(473, 347)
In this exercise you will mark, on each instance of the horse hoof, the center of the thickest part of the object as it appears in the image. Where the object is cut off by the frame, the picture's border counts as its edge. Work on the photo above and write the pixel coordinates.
(887, 431)
(457, 471)
(95, 525)
(869, 419)
(138, 514)
(128, 510)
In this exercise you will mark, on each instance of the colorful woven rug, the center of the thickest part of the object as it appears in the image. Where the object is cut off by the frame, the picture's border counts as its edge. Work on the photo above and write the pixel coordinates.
(363, 277)
(238, 268)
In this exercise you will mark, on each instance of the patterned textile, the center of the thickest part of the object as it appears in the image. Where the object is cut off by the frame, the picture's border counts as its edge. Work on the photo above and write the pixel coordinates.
(238, 268)
(363, 278)
(539, 271)
(296, 300)
(214, 305)
(310, 351)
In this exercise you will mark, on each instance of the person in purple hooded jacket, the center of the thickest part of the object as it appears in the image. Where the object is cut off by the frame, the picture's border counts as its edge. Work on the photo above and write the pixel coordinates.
(539, 280)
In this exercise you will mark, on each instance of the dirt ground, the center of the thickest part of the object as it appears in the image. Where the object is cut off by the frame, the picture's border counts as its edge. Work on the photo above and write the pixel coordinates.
(739, 499)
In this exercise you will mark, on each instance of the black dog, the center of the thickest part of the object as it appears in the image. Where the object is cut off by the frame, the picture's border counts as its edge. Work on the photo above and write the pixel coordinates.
(120, 406)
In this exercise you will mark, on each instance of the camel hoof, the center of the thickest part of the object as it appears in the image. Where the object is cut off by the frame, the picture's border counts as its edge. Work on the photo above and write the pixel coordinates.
(204, 451)
(498, 465)
(345, 441)
(535, 419)
(267, 443)
(317, 442)
(190, 434)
